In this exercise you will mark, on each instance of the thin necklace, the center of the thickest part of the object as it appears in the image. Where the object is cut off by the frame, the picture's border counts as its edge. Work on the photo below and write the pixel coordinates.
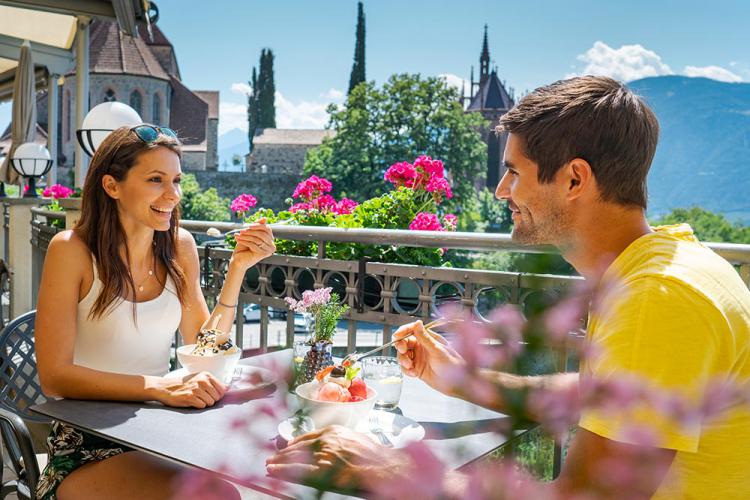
(150, 273)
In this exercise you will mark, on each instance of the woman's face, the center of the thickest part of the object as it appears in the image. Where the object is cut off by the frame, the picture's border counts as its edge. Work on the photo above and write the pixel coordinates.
(150, 191)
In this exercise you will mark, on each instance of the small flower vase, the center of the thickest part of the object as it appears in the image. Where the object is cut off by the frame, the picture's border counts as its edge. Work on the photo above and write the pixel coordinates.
(318, 357)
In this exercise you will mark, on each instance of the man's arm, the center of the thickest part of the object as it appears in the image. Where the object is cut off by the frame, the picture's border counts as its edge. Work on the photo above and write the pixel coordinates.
(604, 468)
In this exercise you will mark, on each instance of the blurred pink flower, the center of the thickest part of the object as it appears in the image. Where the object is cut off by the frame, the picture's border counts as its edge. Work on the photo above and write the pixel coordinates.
(425, 221)
(401, 174)
(429, 168)
(243, 203)
(324, 203)
(312, 188)
(57, 191)
(300, 206)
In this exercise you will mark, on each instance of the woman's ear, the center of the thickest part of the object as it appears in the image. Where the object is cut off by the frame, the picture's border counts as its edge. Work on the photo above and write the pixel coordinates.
(580, 178)
(111, 186)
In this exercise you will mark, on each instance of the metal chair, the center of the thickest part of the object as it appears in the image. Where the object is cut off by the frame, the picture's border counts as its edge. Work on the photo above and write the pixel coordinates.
(19, 389)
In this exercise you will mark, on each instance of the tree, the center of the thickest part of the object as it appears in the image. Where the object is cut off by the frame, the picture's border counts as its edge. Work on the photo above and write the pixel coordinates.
(266, 91)
(408, 117)
(708, 226)
(358, 68)
(197, 204)
(252, 108)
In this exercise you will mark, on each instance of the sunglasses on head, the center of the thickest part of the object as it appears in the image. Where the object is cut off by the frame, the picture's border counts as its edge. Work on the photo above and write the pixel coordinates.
(149, 133)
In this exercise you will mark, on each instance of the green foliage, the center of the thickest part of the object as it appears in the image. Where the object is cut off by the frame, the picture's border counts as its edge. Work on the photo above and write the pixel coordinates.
(266, 91)
(202, 205)
(358, 68)
(708, 226)
(408, 117)
(252, 108)
(326, 318)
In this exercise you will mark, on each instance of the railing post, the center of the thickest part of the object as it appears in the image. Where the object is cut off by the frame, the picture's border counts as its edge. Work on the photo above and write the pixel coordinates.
(20, 254)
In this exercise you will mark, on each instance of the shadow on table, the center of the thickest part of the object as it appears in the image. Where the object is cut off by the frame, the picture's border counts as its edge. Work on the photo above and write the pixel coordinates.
(452, 430)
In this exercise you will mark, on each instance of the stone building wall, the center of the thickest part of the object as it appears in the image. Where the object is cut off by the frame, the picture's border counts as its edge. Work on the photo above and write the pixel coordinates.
(279, 158)
(271, 189)
(212, 154)
(193, 161)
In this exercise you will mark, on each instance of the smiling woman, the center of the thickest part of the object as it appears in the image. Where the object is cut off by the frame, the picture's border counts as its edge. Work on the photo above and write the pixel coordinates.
(113, 292)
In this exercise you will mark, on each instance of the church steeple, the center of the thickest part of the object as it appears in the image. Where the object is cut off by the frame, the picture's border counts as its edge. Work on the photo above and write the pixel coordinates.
(484, 59)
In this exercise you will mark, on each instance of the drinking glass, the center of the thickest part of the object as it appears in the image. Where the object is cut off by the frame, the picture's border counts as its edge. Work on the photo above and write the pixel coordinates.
(383, 373)
(300, 349)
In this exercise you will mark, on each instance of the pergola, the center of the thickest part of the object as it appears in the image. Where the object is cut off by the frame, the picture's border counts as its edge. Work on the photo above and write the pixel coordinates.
(59, 34)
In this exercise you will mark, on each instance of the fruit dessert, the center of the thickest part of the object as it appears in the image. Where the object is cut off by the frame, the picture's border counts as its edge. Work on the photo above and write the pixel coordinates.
(213, 342)
(340, 384)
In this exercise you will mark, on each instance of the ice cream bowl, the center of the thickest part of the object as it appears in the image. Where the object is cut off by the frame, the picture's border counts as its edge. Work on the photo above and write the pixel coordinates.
(219, 365)
(323, 413)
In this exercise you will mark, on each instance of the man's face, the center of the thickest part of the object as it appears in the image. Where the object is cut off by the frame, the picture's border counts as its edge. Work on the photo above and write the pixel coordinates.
(539, 215)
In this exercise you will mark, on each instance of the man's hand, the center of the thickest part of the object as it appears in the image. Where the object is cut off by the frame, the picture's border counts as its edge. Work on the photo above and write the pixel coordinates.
(427, 355)
(336, 457)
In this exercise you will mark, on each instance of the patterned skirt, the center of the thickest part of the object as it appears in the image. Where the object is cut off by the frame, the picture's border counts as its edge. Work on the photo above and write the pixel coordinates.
(68, 449)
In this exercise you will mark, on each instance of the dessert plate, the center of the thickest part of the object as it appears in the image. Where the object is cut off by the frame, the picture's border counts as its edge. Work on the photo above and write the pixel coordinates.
(399, 429)
(246, 379)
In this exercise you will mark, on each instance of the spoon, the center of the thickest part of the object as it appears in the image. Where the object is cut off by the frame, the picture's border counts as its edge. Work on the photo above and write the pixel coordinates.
(215, 233)
(354, 357)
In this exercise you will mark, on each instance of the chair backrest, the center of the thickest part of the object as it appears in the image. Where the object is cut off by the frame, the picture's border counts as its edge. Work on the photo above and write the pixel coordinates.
(19, 379)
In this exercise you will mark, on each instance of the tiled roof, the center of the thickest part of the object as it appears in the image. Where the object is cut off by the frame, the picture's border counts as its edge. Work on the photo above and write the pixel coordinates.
(41, 138)
(112, 52)
(188, 115)
(491, 95)
(162, 50)
(212, 99)
(308, 137)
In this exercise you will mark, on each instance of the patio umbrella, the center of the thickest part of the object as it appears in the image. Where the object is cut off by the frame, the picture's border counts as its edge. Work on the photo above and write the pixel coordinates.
(23, 126)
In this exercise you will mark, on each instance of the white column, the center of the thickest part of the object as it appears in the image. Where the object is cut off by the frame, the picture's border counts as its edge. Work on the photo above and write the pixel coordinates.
(82, 93)
(72, 208)
(19, 261)
(52, 118)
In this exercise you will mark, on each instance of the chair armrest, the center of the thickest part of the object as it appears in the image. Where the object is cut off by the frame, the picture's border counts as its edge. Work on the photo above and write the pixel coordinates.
(21, 440)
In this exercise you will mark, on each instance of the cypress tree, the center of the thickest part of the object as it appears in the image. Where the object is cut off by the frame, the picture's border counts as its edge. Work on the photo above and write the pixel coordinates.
(252, 108)
(266, 91)
(358, 68)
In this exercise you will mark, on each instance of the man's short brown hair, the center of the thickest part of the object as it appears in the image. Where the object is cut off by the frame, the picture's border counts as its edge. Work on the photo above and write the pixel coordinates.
(594, 118)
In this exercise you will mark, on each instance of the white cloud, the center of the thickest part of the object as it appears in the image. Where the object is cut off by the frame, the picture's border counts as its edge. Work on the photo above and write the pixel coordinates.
(713, 72)
(232, 115)
(334, 95)
(242, 88)
(456, 81)
(629, 62)
(305, 114)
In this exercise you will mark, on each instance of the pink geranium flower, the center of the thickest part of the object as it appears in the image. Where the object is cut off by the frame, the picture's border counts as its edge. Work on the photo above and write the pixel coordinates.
(243, 203)
(428, 167)
(401, 174)
(312, 188)
(425, 221)
(345, 206)
(57, 191)
(450, 222)
(439, 186)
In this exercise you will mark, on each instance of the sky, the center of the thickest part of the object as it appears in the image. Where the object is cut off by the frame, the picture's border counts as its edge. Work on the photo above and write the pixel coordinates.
(532, 43)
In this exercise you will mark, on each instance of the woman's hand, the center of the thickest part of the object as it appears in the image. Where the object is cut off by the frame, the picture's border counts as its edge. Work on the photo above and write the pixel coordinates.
(197, 390)
(253, 245)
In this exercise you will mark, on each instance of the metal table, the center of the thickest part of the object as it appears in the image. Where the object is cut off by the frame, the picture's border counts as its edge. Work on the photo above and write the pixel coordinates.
(456, 431)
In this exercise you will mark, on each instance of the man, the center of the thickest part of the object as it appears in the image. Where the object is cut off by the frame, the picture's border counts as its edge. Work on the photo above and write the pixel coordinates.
(669, 311)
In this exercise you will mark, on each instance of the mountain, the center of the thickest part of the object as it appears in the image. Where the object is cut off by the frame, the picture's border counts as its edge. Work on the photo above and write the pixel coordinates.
(232, 142)
(703, 156)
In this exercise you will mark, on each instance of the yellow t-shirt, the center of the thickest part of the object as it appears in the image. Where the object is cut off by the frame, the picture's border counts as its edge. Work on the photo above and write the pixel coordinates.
(677, 315)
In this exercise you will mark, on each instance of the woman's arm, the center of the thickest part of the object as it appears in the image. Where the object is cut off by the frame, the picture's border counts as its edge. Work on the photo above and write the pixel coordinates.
(65, 267)
(253, 245)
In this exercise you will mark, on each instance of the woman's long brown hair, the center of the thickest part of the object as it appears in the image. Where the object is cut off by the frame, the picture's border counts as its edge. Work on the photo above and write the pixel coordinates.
(100, 227)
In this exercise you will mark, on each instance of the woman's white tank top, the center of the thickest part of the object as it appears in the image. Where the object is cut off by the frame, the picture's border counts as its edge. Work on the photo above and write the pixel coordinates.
(115, 343)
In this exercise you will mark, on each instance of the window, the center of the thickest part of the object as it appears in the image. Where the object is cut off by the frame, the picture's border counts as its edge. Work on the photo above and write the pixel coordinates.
(156, 110)
(136, 102)
(109, 96)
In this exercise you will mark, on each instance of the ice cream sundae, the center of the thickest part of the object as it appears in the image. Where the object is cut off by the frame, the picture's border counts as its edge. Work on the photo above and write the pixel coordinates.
(340, 383)
(213, 342)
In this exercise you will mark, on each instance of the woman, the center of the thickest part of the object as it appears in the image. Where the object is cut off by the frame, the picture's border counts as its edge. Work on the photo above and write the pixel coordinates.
(113, 292)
